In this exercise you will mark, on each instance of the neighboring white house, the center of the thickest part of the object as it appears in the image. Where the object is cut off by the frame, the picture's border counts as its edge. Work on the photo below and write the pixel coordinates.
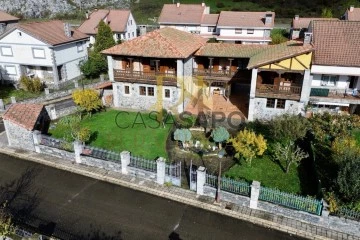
(121, 22)
(183, 17)
(49, 50)
(228, 26)
(300, 25)
(6, 21)
(335, 70)
(245, 27)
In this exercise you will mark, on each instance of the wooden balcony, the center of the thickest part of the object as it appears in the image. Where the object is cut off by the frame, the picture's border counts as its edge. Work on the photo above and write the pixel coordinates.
(275, 91)
(342, 95)
(221, 75)
(168, 78)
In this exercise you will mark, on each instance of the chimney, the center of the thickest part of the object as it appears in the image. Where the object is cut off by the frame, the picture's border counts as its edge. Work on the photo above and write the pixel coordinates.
(351, 9)
(67, 30)
(87, 14)
(268, 18)
(307, 38)
(296, 17)
(178, 4)
(203, 4)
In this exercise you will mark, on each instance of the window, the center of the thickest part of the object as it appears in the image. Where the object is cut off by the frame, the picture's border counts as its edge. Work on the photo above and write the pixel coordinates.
(167, 93)
(270, 103)
(329, 80)
(133, 34)
(250, 31)
(118, 36)
(80, 47)
(211, 29)
(127, 89)
(238, 30)
(128, 35)
(150, 91)
(38, 53)
(130, 22)
(142, 91)
(19, 34)
(280, 103)
(6, 51)
(10, 70)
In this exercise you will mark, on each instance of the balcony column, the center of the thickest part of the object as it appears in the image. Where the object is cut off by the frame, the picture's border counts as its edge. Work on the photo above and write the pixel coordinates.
(211, 64)
(230, 60)
(306, 87)
(131, 65)
(156, 66)
(110, 68)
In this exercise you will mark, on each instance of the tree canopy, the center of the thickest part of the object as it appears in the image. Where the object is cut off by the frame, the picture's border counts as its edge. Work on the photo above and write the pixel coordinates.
(219, 135)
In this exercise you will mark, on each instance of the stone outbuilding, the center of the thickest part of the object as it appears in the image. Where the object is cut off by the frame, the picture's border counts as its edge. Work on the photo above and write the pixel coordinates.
(21, 120)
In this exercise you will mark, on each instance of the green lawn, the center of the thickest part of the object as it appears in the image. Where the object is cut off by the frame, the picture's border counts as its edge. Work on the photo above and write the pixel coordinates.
(268, 173)
(148, 141)
(9, 91)
(357, 135)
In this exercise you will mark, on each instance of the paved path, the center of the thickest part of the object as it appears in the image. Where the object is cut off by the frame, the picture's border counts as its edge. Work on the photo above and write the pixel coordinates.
(72, 206)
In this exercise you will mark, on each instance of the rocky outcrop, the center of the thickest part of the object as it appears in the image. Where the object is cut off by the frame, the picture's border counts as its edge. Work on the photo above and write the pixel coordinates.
(50, 8)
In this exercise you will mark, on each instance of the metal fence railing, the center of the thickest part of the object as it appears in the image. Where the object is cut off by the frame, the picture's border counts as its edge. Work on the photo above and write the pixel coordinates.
(102, 154)
(56, 143)
(347, 213)
(173, 170)
(229, 185)
(141, 163)
(289, 200)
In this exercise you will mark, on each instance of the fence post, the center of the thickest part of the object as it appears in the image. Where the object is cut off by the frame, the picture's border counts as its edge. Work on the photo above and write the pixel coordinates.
(37, 140)
(47, 91)
(2, 105)
(200, 180)
(255, 192)
(78, 149)
(125, 161)
(13, 99)
(160, 171)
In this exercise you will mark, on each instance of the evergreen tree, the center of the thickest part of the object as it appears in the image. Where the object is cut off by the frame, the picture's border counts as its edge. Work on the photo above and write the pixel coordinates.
(104, 38)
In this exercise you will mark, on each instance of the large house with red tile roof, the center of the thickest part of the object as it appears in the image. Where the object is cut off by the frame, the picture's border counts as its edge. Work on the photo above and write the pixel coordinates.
(50, 50)
(21, 120)
(121, 22)
(335, 70)
(228, 26)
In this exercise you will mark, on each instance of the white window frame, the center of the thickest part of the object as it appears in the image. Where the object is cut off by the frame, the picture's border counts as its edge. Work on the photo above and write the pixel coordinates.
(127, 94)
(7, 71)
(80, 47)
(250, 31)
(167, 98)
(128, 35)
(38, 49)
(3, 53)
(147, 91)
(329, 80)
(211, 29)
(238, 30)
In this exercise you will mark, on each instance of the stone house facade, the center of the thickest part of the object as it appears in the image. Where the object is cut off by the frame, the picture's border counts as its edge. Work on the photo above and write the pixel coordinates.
(21, 120)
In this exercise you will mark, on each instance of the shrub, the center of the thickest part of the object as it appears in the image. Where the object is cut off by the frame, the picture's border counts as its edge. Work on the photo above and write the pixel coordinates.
(289, 154)
(87, 99)
(220, 5)
(348, 180)
(248, 145)
(219, 135)
(278, 36)
(31, 85)
(182, 135)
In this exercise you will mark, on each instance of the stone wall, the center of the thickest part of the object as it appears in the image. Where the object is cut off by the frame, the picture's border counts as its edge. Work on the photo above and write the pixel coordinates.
(19, 136)
(261, 112)
(57, 152)
(107, 165)
(142, 173)
(139, 102)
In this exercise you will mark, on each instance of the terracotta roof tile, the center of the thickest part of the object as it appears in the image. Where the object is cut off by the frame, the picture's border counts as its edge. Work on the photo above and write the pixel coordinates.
(210, 20)
(117, 20)
(5, 17)
(244, 19)
(51, 32)
(184, 14)
(278, 52)
(89, 26)
(161, 43)
(336, 43)
(354, 15)
(229, 50)
(24, 115)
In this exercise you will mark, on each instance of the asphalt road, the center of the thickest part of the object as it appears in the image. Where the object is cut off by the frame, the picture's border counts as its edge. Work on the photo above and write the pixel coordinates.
(76, 207)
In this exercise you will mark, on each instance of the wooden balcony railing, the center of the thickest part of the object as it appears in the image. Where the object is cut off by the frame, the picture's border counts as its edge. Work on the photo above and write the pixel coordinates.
(275, 89)
(213, 73)
(141, 76)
